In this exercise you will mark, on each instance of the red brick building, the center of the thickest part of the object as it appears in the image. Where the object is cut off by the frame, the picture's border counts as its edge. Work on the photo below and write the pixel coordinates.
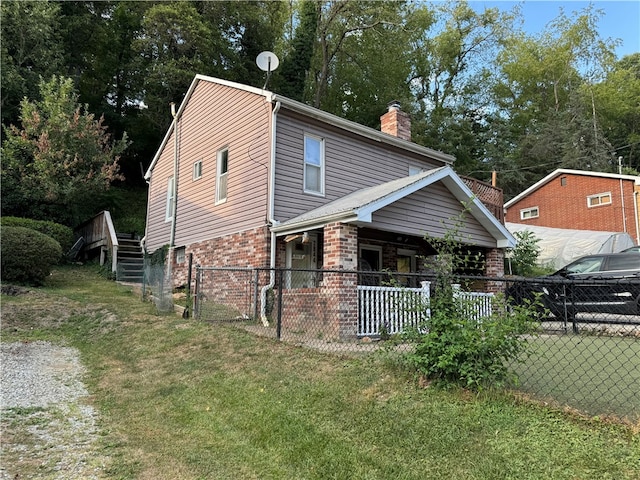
(580, 200)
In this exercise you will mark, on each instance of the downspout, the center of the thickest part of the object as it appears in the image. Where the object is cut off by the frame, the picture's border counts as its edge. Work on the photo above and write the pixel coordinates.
(624, 214)
(271, 221)
(172, 237)
(635, 211)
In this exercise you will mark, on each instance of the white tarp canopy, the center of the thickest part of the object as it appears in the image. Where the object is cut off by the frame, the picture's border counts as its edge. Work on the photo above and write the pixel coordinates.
(560, 246)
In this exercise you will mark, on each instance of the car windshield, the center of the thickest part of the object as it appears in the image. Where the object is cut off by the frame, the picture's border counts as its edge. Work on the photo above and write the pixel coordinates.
(585, 265)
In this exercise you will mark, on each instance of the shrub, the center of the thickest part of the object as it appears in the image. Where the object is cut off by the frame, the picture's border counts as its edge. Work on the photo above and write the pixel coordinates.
(452, 345)
(60, 233)
(27, 255)
(523, 258)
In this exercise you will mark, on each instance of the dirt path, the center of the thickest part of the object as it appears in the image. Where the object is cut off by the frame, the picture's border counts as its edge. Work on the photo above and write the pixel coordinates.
(49, 429)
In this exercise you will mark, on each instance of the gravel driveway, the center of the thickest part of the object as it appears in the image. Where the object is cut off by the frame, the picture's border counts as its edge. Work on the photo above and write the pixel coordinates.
(49, 430)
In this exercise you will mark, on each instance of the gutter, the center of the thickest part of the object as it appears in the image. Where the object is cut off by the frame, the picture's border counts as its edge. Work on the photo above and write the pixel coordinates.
(270, 219)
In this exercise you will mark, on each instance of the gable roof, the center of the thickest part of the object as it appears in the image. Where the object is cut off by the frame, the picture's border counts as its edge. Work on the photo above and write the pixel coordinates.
(307, 111)
(564, 171)
(359, 206)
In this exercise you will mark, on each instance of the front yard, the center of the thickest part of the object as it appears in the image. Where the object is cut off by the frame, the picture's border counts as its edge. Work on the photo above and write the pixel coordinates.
(181, 399)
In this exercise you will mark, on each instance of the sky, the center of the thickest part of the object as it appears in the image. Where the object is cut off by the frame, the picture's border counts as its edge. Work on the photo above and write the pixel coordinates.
(621, 17)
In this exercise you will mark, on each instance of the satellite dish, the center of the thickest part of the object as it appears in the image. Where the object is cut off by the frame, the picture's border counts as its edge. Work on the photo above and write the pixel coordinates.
(267, 62)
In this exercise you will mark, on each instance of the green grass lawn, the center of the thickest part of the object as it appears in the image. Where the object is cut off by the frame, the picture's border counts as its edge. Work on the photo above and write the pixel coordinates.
(599, 375)
(180, 399)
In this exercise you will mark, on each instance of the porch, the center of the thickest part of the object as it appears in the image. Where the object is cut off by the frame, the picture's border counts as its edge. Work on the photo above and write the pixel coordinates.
(337, 308)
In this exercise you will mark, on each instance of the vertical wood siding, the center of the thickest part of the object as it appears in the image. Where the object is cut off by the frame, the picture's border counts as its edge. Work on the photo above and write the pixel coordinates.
(216, 117)
(351, 163)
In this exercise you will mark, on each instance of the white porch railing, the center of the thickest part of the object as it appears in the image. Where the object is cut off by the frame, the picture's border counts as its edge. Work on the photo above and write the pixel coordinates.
(395, 309)
(392, 309)
(476, 305)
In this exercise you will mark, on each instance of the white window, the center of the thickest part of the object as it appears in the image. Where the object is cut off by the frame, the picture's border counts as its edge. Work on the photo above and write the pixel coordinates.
(168, 216)
(313, 165)
(180, 254)
(222, 170)
(197, 170)
(531, 212)
(599, 199)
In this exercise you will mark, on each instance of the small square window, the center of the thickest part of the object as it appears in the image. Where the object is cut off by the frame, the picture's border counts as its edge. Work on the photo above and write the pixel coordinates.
(197, 170)
(563, 181)
(527, 213)
(599, 199)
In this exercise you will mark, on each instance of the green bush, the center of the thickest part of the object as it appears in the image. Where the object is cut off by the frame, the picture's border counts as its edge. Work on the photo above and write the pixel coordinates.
(522, 259)
(453, 346)
(474, 354)
(27, 255)
(60, 233)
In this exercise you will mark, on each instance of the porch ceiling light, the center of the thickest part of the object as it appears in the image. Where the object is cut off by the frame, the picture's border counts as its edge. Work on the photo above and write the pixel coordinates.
(295, 236)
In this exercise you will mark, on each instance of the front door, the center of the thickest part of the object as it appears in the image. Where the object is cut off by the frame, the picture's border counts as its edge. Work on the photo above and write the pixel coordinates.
(302, 254)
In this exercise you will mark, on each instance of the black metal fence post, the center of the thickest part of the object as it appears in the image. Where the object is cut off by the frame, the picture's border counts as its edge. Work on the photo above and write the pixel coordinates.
(196, 295)
(188, 311)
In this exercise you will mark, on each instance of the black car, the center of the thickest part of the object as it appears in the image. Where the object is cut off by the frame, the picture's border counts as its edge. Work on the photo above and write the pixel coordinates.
(602, 283)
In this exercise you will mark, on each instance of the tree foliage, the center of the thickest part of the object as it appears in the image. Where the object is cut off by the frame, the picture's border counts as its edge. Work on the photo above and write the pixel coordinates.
(56, 164)
(474, 84)
(31, 47)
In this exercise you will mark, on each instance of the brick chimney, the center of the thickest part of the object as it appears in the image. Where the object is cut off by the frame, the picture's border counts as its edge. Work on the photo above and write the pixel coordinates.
(396, 122)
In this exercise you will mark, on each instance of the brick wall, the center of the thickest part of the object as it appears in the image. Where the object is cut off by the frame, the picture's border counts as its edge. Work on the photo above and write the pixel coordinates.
(246, 249)
(565, 206)
(341, 253)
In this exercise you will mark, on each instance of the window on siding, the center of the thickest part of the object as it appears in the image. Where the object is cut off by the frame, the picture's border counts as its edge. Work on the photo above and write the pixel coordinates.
(415, 170)
(599, 199)
(531, 212)
(197, 170)
(221, 175)
(168, 216)
(313, 165)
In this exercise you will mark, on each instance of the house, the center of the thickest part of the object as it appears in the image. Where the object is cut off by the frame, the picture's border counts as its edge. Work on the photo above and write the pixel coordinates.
(248, 178)
(580, 200)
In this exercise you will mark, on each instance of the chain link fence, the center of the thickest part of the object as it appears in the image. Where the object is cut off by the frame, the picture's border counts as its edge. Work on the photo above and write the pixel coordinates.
(585, 354)
(156, 284)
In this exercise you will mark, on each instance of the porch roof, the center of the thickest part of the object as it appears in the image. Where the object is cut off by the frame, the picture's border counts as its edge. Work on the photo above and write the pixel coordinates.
(359, 206)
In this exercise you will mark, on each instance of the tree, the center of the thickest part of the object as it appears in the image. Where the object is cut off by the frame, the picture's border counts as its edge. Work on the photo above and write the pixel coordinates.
(31, 48)
(98, 39)
(358, 64)
(449, 78)
(618, 114)
(544, 101)
(296, 65)
(59, 162)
